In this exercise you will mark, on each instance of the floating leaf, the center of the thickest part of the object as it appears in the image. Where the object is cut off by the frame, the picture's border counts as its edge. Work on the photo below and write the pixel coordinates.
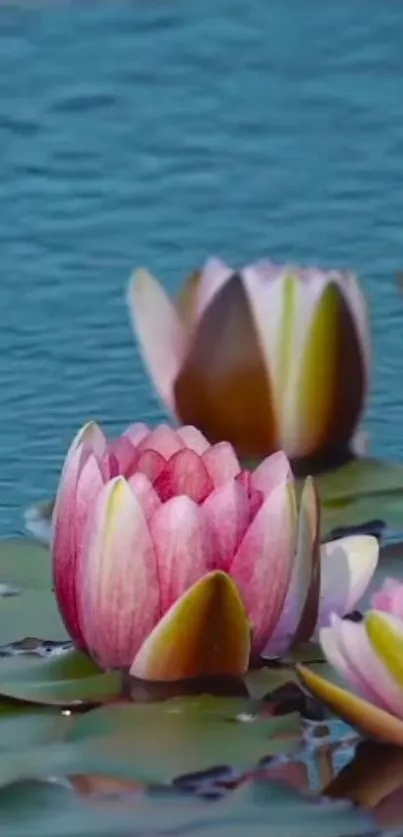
(258, 808)
(65, 680)
(358, 478)
(157, 742)
(33, 613)
(264, 681)
(25, 563)
(356, 511)
(22, 727)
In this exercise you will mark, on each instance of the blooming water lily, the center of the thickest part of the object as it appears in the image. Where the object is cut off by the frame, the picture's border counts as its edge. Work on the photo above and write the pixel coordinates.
(172, 562)
(268, 357)
(369, 658)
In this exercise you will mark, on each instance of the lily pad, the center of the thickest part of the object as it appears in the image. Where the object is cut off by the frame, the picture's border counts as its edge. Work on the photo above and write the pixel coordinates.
(264, 681)
(66, 680)
(25, 563)
(358, 478)
(22, 727)
(33, 613)
(350, 513)
(158, 742)
(258, 808)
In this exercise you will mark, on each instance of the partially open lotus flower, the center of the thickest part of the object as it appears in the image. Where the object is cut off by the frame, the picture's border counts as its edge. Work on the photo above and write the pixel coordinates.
(369, 658)
(269, 357)
(172, 562)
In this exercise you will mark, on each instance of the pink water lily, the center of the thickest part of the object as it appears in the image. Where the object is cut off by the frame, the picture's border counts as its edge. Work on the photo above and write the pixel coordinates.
(268, 356)
(172, 561)
(368, 658)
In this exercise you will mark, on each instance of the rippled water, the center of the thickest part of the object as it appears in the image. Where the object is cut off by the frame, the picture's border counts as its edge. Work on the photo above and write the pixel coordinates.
(160, 132)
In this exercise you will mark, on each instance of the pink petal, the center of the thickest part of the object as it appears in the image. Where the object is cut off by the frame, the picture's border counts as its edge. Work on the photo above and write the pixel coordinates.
(137, 432)
(244, 479)
(364, 666)
(119, 600)
(151, 464)
(145, 494)
(109, 465)
(227, 510)
(262, 565)
(90, 437)
(256, 498)
(333, 650)
(183, 546)
(271, 472)
(347, 566)
(192, 438)
(163, 440)
(184, 473)
(301, 577)
(80, 486)
(125, 453)
(159, 330)
(222, 463)
(389, 597)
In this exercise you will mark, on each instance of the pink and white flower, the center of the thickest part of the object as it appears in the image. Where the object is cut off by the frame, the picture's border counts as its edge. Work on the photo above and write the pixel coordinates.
(267, 357)
(171, 561)
(368, 657)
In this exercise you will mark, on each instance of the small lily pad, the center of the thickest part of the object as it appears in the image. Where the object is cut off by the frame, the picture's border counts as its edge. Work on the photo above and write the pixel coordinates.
(66, 680)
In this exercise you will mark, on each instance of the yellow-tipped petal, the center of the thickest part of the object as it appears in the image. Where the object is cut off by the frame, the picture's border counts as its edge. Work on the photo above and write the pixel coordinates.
(331, 384)
(387, 640)
(308, 557)
(368, 719)
(205, 633)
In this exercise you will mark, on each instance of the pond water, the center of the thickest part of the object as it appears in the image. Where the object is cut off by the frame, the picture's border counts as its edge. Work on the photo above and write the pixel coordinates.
(157, 133)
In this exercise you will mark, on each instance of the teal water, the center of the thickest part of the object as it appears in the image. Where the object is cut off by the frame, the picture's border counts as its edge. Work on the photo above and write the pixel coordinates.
(158, 133)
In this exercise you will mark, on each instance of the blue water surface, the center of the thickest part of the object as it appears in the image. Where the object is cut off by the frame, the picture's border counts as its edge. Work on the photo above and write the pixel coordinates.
(157, 133)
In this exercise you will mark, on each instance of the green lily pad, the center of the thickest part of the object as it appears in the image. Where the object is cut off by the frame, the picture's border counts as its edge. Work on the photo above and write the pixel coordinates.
(157, 742)
(263, 682)
(22, 727)
(65, 680)
(349, 513)
(25, 563)
(258, 808)
(360, 477)
(32, 613)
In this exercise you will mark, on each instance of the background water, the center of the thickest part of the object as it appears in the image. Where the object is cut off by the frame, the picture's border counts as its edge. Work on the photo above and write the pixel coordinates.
(158, 133)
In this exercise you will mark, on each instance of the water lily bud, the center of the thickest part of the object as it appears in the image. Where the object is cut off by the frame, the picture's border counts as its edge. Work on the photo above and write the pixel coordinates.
(271, 357)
